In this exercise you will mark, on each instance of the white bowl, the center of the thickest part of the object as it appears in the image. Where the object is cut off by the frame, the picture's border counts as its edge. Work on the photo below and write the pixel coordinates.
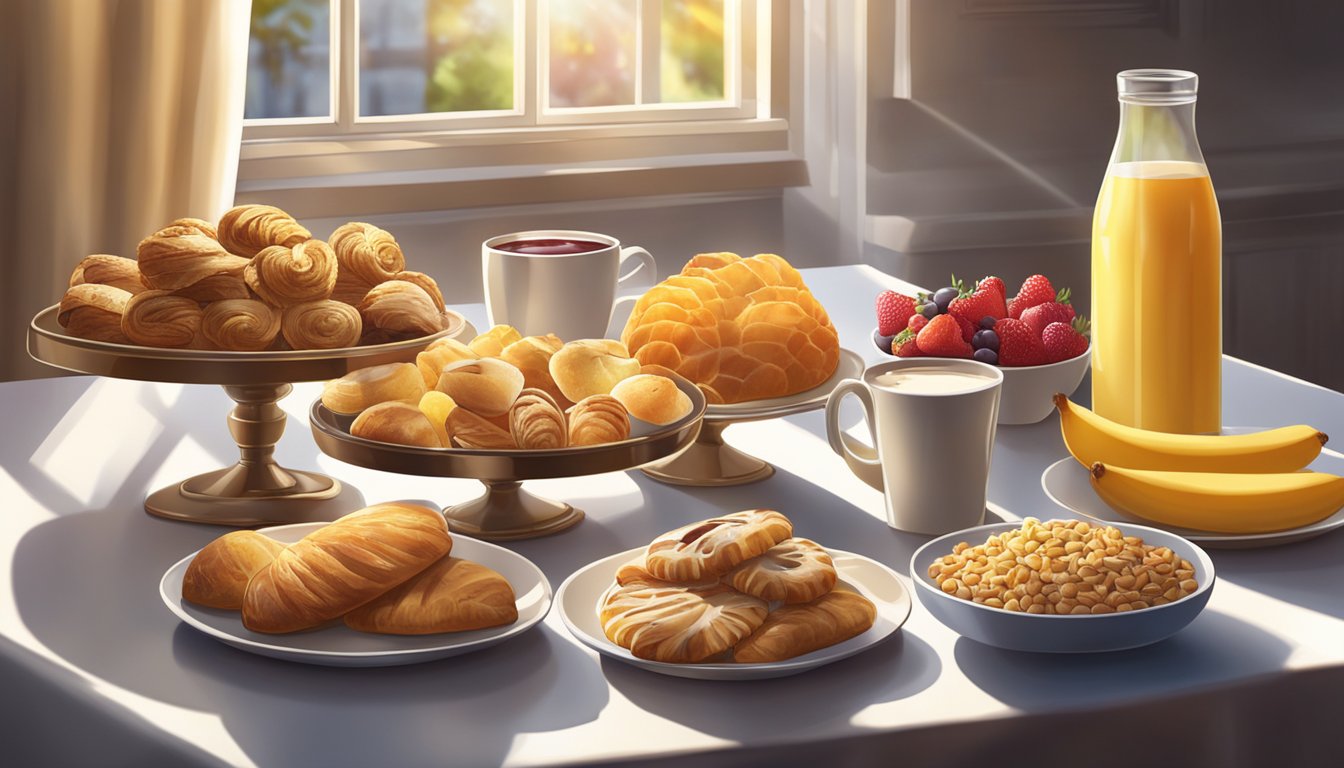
(1028, 391)
(1046, 633)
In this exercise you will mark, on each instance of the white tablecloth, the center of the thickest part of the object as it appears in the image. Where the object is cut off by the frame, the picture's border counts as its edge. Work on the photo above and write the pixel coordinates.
(95, 670)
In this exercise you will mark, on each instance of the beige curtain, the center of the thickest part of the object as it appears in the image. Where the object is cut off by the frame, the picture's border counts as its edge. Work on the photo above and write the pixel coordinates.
(116, 116)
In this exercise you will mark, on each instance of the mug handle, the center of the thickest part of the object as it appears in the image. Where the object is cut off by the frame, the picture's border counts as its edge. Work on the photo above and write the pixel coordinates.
(862, 459)
(646, 261)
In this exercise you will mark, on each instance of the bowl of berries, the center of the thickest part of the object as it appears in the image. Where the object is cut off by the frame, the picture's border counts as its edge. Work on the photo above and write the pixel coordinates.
(1036, 337)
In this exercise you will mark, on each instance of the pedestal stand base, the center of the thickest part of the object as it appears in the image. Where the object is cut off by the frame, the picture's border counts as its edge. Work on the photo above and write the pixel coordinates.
(709, 462)
(201, 499)
(507, 512)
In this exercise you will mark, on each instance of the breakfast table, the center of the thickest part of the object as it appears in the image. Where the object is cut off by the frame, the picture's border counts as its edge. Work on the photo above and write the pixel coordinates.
(94, 670)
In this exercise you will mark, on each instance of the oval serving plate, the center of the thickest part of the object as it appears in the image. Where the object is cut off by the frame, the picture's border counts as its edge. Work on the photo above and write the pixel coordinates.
(338, 645)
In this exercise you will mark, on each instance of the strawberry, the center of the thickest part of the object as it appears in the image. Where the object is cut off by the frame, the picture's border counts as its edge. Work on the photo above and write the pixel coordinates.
(916, 323)
(1017, 344)
(1057, 311)
(1035, 290)
(993, 283)
(893, 310)
(967, 328)
(942, 338)
(904, 345)
(985, 301)
(1063, 341)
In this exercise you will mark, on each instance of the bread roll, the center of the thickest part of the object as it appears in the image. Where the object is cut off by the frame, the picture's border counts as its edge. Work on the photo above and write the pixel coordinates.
(741, 329)
(472, 431)
(217, 576)
(536, 422)
(162, 319)
(492, 342)
(105, 269)
(487, 386)
(655, 399)
(714, 546)
(365, 387)
(452, 595)
(396, 422)
(322, 324)
(436, 406)
(341, 566)
(92, 311)
(797, 629)
(246, 230)
(400, 307)
(597, 420)
(532, 356)
(283, 276)
(240, 325)
(366, 256)
(439, 354)
(591, 367)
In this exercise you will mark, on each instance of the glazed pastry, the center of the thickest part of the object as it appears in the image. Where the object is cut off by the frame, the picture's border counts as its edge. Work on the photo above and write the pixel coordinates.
(367, 256)
(532, 356)
(792, 571)
(741, 329)
(452, 595)
(797, 629)
(492, 342)
(93, 311)
(246, 230)
(596, 420)
(178, 258)
(591, 367)
(487, 386)
(105, 269)
(424, 281)
(711, 547)
(162, 319)
(396, 422)
(217, 576)
(436, 356)
(365, 387)
(678, 623)
(204, 226)
(436, 406)
(655, 399)
(284, 276)
(536, 422)
(472, 431)
(323, 324)
(343, 565)
(240, 325)
(397, 306)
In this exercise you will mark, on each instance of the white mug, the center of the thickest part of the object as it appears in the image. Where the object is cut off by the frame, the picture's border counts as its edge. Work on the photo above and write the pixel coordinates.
(932, 439)
(572, 295)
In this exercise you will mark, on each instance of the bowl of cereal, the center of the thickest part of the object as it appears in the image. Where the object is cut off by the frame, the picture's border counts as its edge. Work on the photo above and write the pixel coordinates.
(1063, 586)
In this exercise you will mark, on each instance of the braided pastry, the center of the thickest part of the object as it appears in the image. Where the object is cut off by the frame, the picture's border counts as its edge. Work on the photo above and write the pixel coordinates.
(367, 256)
(324, 324)
(105, 269)
(162, 319)
(248, 229)
(240, 325)
(400, 307)
(282, 276)
(92, 311)
(177, 258)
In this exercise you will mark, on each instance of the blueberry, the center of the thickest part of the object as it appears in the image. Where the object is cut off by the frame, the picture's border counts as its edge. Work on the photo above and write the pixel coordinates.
(944, 296)
(884, 343)
(985, 340)
(929, 310)
(987, 322)
(988, 356)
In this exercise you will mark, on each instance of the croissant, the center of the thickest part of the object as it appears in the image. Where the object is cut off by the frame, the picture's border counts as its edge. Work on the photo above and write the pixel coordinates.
(367, 256)
(426, 282)
(240, 324)
(93, 311)
(161, 319)
(201, 224)
(217, 576)
(175, 258)
(535, 421)
(472, 431)
(283, 276)
(452, 595)
(400, 307)
(598, 419)
(248, 229)
(105, 269)
(323, 324)
(216, 288)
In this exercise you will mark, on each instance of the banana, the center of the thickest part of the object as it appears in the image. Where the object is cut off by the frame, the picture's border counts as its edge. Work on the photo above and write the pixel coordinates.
(1092, 438)
(1218, 501)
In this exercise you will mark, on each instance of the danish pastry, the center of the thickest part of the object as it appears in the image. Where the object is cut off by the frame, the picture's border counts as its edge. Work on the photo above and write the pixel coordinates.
(366, 256)
(536, 422)
(472, 431)
(679, 623)
(532, 356)
(452, 595)
(284, 276)
(797, 629)
(711, 547)
(246, 230)
(597, 420)
(240, 325)
(105, 269)
(177, 258)
(492, 342)
(397, 306)
(487, 386)
(365, 387)
(163, 319)
(590, 367)
(217, 576)
(652, 398)
(322, 324)
(792, 571)
(93, 311)
(438, 355)
(396, 422)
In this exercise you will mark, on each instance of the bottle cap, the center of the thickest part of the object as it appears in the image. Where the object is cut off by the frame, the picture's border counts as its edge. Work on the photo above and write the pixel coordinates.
(1157, 86)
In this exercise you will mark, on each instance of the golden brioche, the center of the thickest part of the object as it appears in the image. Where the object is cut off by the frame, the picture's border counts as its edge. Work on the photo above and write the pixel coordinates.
(93, 311)
(366, 256)
(452, 595)
(321, 324)
(105, 269)
(741, 329)
(597, 420)
(343, 565)
(217, 576)
(472, 431)
(652, 398)
(396, 422)
(246, 230)
(436, 406)
(436, 356)
(711, 547)
(590, 367)
(797, 629)
(492, 342)
(792, 571)
(240, 325)
(536, 422)
(532, 356)
(487, 386)
(163, 319)
(284, 276)
(678, 623)
(365, 387)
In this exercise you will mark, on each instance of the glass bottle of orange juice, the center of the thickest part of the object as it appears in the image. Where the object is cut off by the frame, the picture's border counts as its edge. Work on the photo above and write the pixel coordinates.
(1157, 265)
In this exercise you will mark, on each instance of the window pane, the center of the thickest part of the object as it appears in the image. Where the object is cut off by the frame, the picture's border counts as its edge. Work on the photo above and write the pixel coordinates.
(289, 59)
(421, 56)
(692, 50)
(592, 52)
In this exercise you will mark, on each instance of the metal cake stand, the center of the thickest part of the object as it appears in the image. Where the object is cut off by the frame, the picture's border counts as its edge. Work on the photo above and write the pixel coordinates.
(256, 490)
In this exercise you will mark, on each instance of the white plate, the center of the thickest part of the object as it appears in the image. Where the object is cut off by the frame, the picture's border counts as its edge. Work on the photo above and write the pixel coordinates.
(1067, 484)
(850, 366)
(578, 600)
(340, 646)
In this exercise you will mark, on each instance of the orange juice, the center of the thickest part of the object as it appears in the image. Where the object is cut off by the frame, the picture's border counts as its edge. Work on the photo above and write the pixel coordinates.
(1157, 297)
